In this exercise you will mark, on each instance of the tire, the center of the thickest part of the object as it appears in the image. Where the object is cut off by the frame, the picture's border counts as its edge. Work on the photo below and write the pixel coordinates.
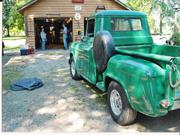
(73, 71)
(103, 49)
(119, 107)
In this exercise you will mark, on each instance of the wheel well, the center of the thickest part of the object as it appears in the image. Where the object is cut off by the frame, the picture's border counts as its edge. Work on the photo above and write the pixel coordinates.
(71, 55)
(108, 80)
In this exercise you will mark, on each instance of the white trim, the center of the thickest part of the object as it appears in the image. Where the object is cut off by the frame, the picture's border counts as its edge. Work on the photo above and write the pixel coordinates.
(34, 1)
(122, 4)
(27, 5)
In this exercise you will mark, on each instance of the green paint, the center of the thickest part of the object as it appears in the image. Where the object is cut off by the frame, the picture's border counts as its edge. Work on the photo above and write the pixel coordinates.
(139, 66)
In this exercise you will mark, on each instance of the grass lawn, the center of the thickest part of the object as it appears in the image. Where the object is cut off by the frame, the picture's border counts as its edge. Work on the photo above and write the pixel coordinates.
(14, 38)
(12, 48)
(9, 75)
(13, 43)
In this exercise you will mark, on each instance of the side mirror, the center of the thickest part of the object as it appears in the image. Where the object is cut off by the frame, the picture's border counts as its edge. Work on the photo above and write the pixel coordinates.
(83, 38)
(79, 33)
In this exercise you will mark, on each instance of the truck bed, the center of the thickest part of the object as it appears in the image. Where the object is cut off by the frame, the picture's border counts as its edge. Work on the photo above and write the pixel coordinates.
(164, 53)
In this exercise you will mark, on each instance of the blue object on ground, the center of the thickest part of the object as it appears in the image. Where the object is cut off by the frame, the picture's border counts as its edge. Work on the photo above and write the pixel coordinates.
(27, 84)
(24, 51)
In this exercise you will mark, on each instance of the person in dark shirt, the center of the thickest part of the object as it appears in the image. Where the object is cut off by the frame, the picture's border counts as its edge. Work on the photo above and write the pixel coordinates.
(3, 48)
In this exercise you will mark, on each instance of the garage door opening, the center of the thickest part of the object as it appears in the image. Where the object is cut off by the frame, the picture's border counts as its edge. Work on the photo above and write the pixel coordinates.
(53, 29)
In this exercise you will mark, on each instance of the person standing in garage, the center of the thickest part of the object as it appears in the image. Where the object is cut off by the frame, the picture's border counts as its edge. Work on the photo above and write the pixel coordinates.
(65, 34)
(43, 39)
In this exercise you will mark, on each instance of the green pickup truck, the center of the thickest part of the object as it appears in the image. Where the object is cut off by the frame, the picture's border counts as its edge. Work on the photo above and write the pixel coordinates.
(118, 56)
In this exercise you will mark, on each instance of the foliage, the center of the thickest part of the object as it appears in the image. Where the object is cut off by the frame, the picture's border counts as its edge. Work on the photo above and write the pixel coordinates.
(7, 18)
(22, 2)
(165, 8)
(12, 20)
(176, 37)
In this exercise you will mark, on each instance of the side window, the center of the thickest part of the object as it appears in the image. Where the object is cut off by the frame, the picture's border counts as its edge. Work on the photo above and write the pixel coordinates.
(90, 31)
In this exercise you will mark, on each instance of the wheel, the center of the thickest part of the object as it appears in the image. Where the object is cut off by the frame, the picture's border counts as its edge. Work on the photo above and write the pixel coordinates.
(73, 71)
(119, 107)
(103, 49)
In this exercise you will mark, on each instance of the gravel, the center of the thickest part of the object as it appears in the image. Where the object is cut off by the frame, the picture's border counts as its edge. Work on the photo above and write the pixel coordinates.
(65, 105)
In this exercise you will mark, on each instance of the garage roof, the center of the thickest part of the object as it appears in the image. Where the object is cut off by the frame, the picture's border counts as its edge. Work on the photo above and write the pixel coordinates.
(31, 2)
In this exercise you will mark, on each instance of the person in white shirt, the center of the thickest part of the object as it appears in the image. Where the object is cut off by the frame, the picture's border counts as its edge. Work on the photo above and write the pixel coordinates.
(43, 39)
(65, 35)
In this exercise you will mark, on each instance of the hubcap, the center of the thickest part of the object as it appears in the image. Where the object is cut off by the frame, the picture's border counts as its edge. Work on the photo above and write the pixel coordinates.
(73, 68)
(116, 102)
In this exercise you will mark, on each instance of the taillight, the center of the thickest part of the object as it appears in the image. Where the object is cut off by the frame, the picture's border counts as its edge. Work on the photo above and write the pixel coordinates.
(165, 103)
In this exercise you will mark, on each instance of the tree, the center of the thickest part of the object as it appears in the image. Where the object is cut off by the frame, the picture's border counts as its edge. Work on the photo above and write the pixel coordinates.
(11, 17)
(18, 18)
(7, 17)
(166, 9)
(164, 6)
(143, 6)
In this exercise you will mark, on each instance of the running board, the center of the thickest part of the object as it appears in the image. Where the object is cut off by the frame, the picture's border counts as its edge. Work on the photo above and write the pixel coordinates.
(101, 86)
(176, 99)
(176, 105)
(177, 94)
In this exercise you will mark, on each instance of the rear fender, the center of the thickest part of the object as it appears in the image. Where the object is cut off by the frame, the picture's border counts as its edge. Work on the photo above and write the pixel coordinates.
(141, 81)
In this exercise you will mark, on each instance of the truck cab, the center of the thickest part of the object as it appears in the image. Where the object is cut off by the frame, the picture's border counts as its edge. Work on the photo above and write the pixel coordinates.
(117, 55)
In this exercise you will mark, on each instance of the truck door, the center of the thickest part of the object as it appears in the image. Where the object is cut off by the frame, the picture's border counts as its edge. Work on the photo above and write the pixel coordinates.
(86, 56)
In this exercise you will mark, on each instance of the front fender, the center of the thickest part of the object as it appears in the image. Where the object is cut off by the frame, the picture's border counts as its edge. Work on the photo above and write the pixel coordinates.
(142, 82)
(74, 47)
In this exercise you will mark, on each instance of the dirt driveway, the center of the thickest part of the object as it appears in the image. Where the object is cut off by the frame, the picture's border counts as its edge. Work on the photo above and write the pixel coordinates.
(65, 105)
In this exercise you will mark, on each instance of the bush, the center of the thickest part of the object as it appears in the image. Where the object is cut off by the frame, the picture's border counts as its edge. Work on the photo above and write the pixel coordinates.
(176, 38)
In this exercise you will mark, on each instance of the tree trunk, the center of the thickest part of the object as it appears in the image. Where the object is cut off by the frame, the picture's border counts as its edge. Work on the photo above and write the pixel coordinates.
(161, 24)
(175, 23)
(8, 32)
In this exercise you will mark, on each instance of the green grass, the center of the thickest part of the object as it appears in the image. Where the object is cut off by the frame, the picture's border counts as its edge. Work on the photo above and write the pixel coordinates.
(9, 75)
(14, 48)
(14, 38)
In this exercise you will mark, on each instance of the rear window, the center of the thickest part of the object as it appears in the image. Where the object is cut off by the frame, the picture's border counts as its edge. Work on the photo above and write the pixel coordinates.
(125, 24)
